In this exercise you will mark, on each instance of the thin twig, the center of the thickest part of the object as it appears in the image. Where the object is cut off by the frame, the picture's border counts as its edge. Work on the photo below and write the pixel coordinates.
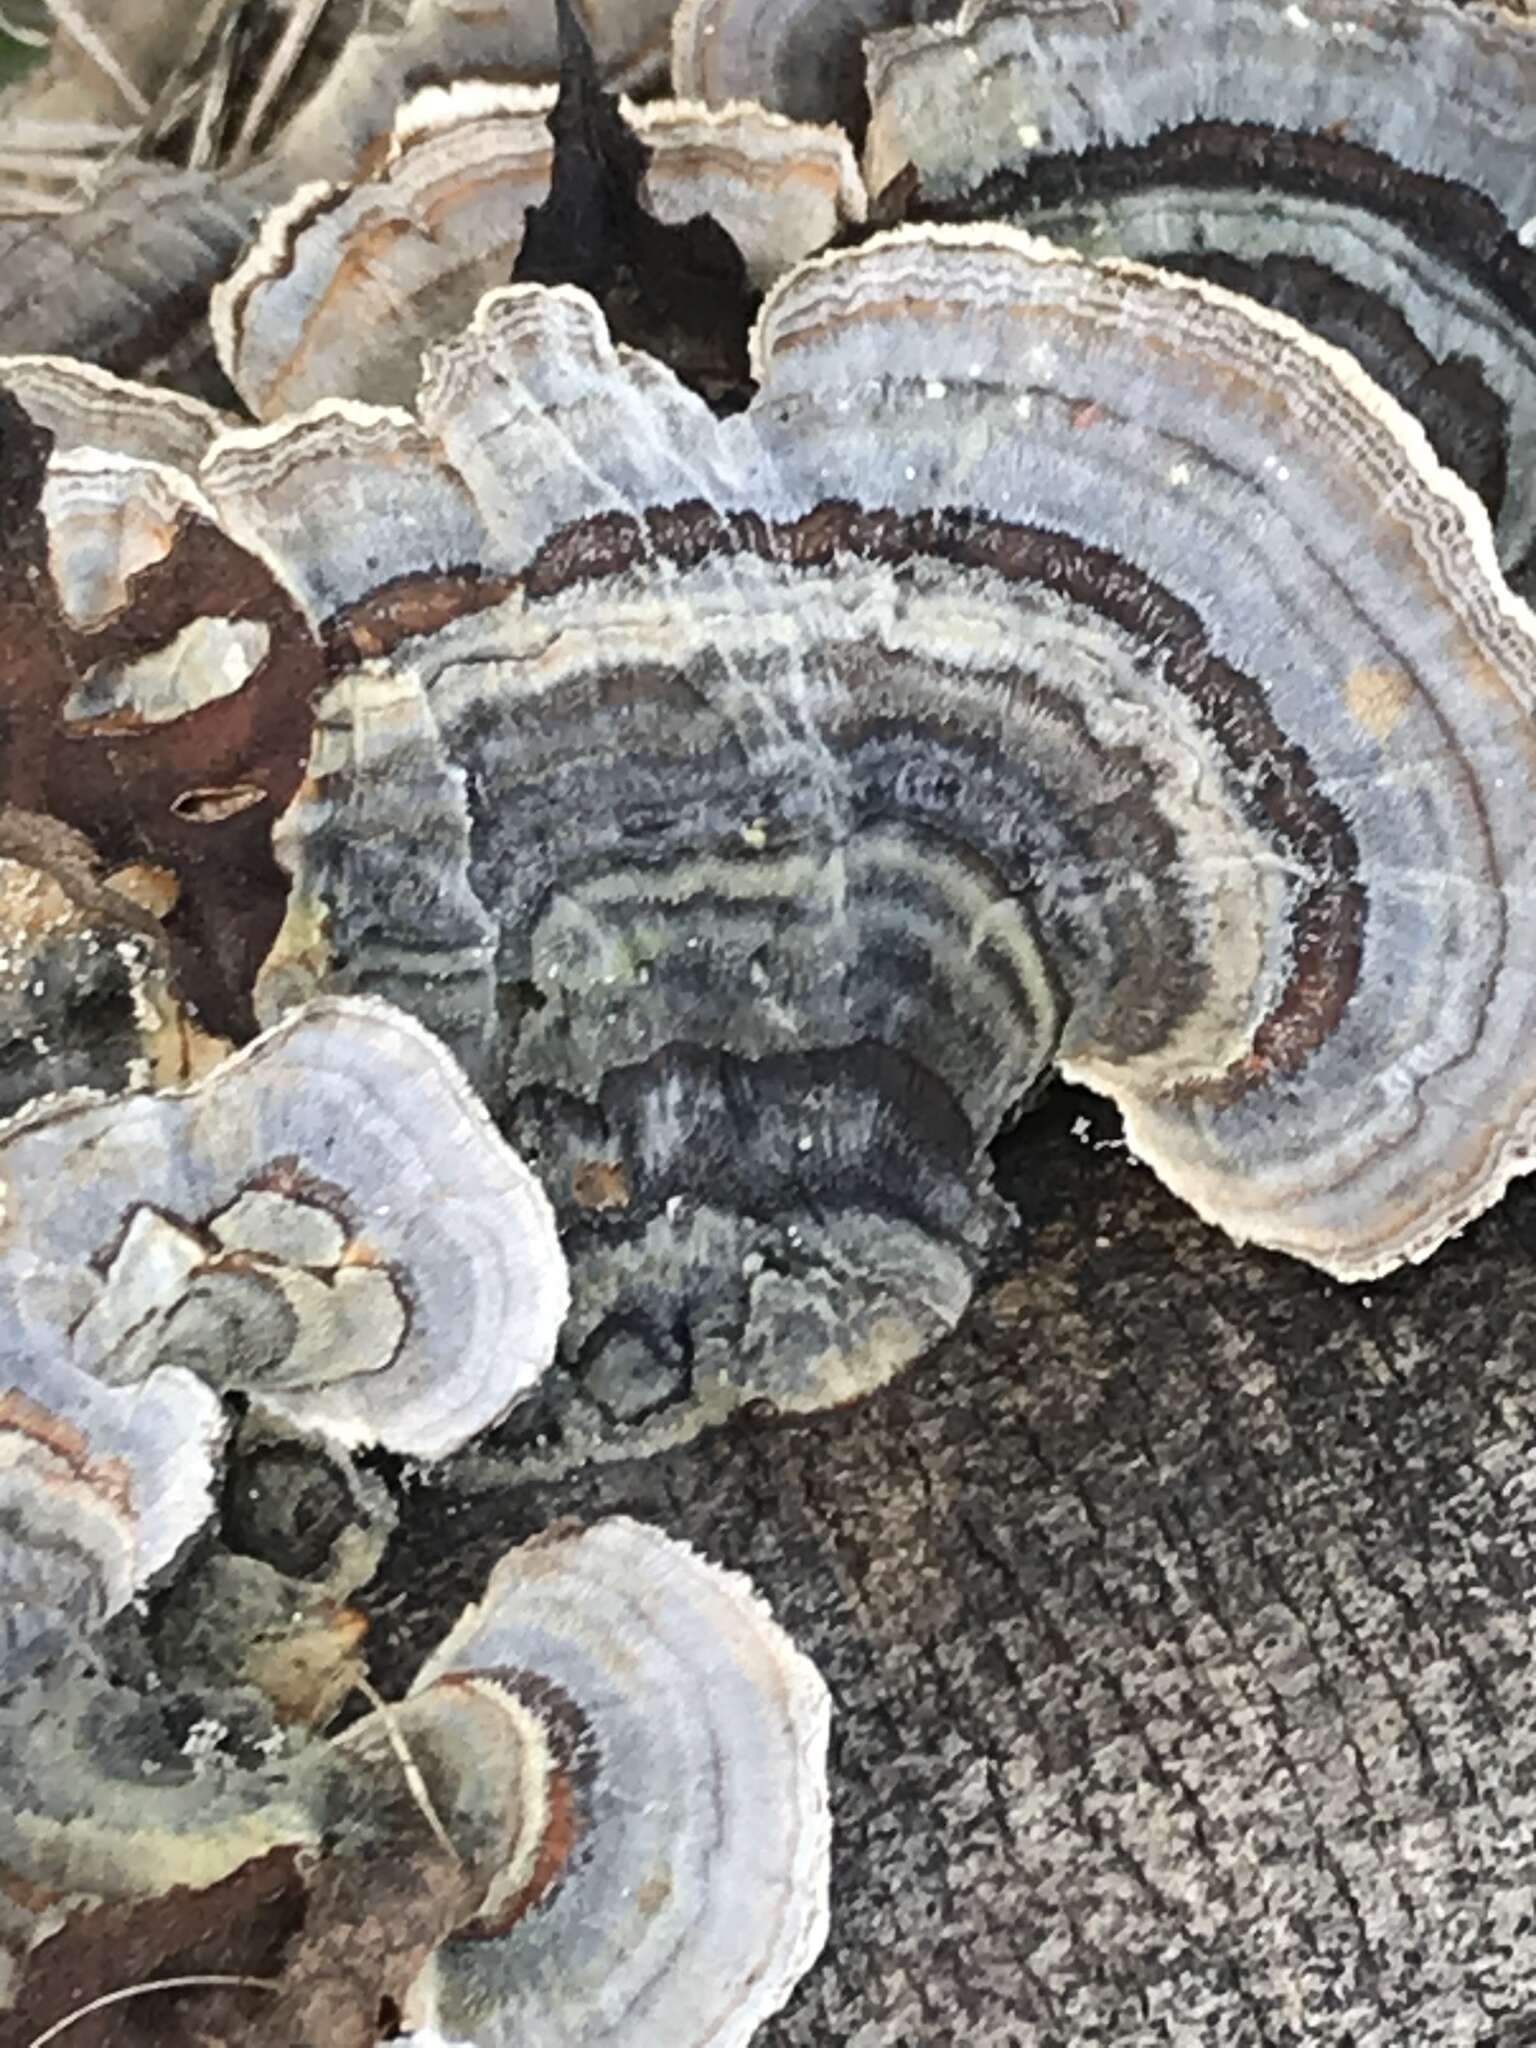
(101, 54)
(413, 1778)
(42, 135)
(49, 163)
(210, 115)
(302, 23)
(25, 201)
(182, 87)
(213, 1979)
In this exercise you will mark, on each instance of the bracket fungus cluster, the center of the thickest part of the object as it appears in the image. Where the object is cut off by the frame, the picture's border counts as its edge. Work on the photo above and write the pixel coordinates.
(328, 1223)
(600, 1816)
(1370, 176)
(1368, 173)
(1038, 673)
(346, 285)
(1085, 638)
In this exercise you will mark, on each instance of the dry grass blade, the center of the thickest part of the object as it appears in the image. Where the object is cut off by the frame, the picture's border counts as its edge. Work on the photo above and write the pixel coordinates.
(29, 38)
(215, 99)
(100, 52)
(302, 23)
(413, 1778)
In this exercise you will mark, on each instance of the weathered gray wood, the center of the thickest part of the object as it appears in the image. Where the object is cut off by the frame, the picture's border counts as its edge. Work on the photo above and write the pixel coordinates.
(1177, 1617)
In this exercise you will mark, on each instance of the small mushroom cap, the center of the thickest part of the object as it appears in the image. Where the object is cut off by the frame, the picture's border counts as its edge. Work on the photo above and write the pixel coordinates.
(442, 1307)
(480, 1780)
(86, 407)
(100, 1489)
(694, 1895)
(346, 285)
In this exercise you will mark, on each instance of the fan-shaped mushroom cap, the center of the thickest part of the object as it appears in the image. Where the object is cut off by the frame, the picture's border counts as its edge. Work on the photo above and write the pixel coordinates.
(82, 406)
(1370, 174)
(803, 57)
(100, 1488)
(344, 287)
(682, 1890)
(329, 1222)
(1058, 661)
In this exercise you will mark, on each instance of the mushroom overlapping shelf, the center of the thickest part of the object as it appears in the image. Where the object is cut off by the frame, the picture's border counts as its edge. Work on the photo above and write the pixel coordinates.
(328, 1223)
(1366, 172)
(100, 1489)
(347, 284)
(1038, 673)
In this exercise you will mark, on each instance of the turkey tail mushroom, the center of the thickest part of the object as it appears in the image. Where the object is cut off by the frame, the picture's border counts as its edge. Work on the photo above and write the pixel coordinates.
(1368, 173)
(346, 284)
(100, 1490)
(674, 1887)
(599, 1820)
(803, 57)
(1059, 662)
(329, 1223)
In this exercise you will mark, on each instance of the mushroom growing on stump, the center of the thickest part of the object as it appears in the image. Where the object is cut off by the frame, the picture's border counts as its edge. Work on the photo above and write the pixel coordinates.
(600, 1818)
(1369, 173)
(328, 1223)
(1059, 663)
(345, 286)
(675, 1888)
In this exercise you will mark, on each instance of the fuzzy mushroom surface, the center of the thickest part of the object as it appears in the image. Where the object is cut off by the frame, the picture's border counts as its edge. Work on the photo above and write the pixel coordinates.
(1369, 174)
(677, 1887)
(329, 1223)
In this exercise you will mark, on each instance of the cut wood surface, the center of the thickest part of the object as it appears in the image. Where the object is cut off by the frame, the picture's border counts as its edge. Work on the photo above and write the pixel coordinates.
(1176, 1615)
